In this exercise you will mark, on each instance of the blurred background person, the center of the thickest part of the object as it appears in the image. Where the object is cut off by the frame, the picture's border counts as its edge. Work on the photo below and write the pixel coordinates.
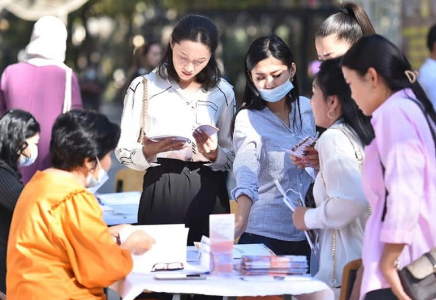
(146, 58)
(42, 84)
(91, 88)
(19, 136)
(427, 72)
(59, 245)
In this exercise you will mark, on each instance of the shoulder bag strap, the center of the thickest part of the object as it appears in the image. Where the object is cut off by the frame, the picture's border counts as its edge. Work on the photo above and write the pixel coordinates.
(67, 97)
(144, 110)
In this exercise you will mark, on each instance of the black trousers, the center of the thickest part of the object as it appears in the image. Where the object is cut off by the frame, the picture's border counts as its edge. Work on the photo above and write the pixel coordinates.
(178, 192)
(382, 294)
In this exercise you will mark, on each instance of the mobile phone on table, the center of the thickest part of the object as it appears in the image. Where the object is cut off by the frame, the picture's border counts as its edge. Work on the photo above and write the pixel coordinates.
(172, 276)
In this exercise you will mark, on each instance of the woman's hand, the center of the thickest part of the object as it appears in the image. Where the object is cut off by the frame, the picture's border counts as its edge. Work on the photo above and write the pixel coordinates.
(207, 145)
(388, 267)
(138, 242)
(152, 148)
(298, 217)
(115, 231)
(310, 159)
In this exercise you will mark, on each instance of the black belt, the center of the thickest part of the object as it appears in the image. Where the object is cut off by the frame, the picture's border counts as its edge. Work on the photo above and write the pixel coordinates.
(178, 165)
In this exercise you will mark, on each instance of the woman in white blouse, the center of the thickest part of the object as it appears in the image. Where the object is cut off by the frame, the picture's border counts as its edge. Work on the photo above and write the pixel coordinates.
(186, 167)
(341, 206)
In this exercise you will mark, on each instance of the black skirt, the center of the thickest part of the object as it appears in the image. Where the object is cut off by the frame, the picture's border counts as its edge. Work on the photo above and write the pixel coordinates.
(178, 192)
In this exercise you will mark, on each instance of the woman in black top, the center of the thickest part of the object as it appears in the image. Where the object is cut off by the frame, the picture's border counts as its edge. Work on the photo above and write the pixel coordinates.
(19, 137)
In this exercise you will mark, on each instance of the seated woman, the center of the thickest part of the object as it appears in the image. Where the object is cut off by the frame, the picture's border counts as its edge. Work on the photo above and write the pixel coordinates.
(19, 136)
(59, 246)
(341, 206)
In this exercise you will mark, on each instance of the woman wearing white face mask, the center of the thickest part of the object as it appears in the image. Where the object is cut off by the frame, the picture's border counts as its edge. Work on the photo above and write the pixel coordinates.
(19, 135)
(274, 117)
(57, 227)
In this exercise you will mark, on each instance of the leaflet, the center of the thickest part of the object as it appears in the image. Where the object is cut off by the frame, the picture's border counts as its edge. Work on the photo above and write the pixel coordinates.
(311, 235)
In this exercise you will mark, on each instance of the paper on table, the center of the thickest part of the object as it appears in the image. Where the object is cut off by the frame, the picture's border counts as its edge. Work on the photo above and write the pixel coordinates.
(311, 235)
(122, 198)
(251, 249)
(206, 128)
(170, 245)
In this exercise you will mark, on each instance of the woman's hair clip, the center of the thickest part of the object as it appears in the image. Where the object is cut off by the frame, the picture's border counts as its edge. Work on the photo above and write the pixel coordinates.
(411, 75)
(344, 10)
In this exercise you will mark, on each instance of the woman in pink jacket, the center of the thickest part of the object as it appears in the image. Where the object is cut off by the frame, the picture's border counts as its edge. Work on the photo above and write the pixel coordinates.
(399, 171)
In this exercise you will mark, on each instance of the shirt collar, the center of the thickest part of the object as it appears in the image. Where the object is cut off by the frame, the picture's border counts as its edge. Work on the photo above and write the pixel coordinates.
(379, 111)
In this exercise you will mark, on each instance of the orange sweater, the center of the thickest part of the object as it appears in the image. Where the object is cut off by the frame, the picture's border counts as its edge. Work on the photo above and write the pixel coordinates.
(59, 246)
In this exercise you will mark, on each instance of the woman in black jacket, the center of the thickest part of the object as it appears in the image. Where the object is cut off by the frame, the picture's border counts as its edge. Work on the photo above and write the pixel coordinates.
(19, 136)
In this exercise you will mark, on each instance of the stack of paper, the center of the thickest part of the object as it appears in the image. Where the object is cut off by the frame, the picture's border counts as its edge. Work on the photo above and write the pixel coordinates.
(256, 265)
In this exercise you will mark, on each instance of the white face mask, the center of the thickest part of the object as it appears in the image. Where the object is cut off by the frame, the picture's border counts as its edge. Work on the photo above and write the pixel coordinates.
(277, 93)
(27, 161)
(93, 183)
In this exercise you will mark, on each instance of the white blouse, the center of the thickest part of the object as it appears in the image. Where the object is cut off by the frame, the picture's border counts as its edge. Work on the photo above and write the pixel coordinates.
(341, 204)
(172, 112)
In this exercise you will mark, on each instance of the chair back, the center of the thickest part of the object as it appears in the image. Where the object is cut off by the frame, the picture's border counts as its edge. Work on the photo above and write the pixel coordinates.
(128, 180)
(351, 276)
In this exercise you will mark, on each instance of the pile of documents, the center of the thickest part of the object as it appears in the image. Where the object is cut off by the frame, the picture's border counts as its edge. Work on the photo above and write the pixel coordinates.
(255, 265)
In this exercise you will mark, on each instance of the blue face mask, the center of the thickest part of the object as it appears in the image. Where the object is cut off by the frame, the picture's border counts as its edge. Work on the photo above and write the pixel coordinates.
(276, 94)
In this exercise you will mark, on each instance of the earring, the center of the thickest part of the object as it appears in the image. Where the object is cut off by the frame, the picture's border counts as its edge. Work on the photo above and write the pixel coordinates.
(328, 115)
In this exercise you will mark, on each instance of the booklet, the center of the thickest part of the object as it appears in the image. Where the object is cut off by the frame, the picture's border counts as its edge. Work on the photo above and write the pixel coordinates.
(158, 138)
(311, 235)
(299, 149)
(208, 129)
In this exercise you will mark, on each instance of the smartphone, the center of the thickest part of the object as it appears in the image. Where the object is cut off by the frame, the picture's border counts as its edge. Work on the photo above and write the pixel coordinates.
(172, 276)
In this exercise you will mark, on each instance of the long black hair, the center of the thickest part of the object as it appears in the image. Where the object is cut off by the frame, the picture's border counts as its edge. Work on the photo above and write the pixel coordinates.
(79, 134)
(331, 82)
(263, 48)
(350, 24)
(194, 28)
(16, 126)
(391, 66)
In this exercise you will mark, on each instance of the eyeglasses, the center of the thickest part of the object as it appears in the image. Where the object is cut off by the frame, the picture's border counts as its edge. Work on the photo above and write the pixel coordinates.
(173, 266)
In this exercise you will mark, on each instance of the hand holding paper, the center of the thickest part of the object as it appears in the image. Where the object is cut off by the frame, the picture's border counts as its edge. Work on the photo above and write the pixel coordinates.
(207, 141)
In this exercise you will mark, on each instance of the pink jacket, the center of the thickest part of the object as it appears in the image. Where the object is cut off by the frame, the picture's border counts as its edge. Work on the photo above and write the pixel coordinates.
(405, 146)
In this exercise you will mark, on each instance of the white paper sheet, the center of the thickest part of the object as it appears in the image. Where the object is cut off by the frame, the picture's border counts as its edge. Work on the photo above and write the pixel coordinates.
(123, 198)
(170, 246)
(251, 249)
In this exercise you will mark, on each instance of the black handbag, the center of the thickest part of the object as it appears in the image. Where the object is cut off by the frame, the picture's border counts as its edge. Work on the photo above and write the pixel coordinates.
(419, 277)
